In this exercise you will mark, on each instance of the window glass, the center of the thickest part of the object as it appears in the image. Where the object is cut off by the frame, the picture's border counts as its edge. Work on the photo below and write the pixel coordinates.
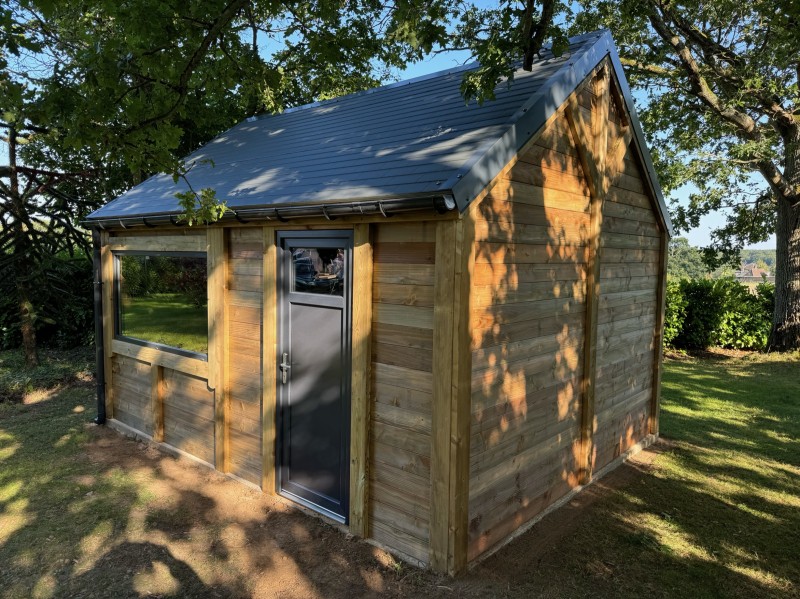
(163, 299)
(319, 270)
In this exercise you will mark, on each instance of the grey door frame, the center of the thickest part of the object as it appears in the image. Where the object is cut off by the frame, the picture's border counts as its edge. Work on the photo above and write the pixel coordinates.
(328, 238)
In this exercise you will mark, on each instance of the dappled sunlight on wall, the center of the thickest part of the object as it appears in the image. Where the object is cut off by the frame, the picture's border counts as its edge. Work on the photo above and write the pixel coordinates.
(527, 317)
(529, 312)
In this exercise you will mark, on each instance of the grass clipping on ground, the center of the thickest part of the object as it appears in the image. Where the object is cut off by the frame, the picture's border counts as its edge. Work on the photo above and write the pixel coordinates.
(84, 512)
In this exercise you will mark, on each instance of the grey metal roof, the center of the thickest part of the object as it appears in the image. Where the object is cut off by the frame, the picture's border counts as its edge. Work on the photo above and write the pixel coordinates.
(412, 139)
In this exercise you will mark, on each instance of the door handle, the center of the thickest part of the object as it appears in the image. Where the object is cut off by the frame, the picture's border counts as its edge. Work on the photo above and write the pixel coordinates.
(285, 368)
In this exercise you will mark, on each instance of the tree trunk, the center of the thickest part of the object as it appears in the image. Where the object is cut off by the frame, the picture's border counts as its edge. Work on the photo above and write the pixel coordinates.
(23, 262)
(785, 333)
(26, 309)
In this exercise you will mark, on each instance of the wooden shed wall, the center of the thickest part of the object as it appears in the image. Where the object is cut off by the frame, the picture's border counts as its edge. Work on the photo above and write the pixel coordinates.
(160, 394)
(527, 319)
(243, 337)
(402, 386)
(566, 304)
(626, 330)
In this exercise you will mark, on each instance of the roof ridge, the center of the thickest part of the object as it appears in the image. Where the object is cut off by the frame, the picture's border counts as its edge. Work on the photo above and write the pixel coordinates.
(403, 82)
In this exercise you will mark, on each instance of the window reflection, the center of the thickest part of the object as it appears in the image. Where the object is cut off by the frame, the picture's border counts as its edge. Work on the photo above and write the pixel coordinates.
(163, 299)
(318, 270)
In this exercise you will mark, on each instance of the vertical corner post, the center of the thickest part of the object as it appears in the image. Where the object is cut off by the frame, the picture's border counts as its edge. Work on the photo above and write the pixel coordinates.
(269, 334)
(360, 403)
(658, 337)
(451, 398)
(590, 136)
(217, 356)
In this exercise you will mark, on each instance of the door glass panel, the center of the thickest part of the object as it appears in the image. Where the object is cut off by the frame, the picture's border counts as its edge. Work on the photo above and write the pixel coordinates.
(318, 270)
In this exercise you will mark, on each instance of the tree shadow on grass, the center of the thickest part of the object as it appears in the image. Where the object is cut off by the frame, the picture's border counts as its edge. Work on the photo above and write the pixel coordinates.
(85, 512)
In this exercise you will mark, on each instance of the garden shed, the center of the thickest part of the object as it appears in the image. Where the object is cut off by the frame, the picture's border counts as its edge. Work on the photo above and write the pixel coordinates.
(430, 321)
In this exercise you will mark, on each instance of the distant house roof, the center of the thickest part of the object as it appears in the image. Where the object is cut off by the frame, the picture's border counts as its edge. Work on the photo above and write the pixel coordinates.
(410, 140)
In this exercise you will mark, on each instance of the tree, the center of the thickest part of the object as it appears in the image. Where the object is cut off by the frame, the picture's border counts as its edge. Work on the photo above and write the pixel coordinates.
(722, 111)
(97, 95)
(685, 261)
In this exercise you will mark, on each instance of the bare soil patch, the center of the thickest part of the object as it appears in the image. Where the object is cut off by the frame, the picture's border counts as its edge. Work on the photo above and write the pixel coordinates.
(206, 535)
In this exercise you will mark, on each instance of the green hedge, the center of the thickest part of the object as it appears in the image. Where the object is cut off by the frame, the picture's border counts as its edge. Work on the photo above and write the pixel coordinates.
(702, 312)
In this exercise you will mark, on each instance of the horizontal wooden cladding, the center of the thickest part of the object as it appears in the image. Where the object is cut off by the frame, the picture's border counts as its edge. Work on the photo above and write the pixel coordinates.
(130, 380)
(410, 418)
(160, 243)
(549, 158)
(527, 373)
(508, 275)
(245, 456)
(399, 315)
(248, 315)
(165, 358)
(630, 227)
(623, 284)
(244, 426)
(413, 400)
(245, 301)
(508, 354)
(500, 430)
(490, 316)
(614, 328)
(624, 240)
(574, 232)
(498, 334)
(402, 386)
(626, 211)
(394, 537)
(512, 509)
(523, 253)
(188, 414)
(550, 178)
(245, 268)
(419, 232)
(404, 274)
(406, 357)
(530, 202)
(525, 465)
(619, 435)
(527, 322)
(392, 334)
(625, 402)
(623, 271)
(488, 295)
(405, 295)
(403, 253)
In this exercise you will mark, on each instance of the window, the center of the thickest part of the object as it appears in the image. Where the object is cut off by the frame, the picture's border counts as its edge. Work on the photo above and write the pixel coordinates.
(318, 270)
(163, 299)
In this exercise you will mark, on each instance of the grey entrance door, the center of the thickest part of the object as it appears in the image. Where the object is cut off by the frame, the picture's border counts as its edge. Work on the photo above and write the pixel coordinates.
(314, 369)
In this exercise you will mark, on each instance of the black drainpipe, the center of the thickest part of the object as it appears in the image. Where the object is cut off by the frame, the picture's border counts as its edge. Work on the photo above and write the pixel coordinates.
(98, 329)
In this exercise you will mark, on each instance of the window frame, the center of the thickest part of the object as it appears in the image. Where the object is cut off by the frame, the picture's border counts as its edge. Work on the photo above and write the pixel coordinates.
(116, 255)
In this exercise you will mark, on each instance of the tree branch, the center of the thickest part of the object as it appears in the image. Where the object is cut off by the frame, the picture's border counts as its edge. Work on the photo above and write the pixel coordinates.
(743, 123)
(182, 87)
(533, 36)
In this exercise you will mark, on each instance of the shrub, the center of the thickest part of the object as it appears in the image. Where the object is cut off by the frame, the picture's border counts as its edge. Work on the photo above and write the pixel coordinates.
(700, 313)
(745, 323)
(674, 312)
(704, 308)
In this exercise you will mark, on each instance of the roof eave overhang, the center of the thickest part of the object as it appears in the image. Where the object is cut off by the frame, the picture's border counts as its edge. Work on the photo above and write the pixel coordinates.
(385, 207)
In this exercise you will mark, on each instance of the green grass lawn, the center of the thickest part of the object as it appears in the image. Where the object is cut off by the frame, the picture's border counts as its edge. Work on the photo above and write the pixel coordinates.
(168, 319)
(717, 514)
(730, 485)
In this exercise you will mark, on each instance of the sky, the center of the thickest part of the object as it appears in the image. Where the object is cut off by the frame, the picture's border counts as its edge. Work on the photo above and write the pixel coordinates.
(700, 236)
